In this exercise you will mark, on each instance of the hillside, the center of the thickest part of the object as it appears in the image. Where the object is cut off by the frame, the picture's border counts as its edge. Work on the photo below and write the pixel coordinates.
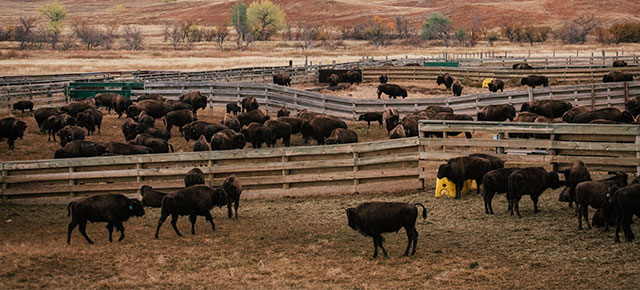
(340, 13)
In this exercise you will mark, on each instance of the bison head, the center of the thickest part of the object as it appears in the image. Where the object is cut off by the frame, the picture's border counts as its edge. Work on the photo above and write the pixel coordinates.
(524, 81)
(133, 111)
(444, 171)
(135, 208)
(480, 116)
(555, 180)
(440, 80)
(625, 117)
(19, 127)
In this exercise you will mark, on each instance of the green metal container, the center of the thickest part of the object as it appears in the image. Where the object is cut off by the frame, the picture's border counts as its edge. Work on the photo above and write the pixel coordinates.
(85, 90)
(443, 63)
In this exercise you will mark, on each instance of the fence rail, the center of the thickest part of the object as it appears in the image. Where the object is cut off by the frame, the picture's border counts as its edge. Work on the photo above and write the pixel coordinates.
(373, 166)
(601, 147)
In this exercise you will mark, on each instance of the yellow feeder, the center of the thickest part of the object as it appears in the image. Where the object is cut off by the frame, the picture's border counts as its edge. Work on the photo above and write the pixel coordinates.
(446, 187)
(485, 83)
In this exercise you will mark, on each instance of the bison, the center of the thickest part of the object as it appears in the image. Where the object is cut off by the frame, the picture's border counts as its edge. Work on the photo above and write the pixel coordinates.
(55, 123)
(282, 78)
(118, 148)
(154, 108)
(321, 127)
(227, 140)
(530, 181)
(569, 116)
(90, 119)
(333, 80)
(619, 63)
(459, 169)
(195, 176)
(114, 209)
(369, 117)
(391, 118)
(257, 134)
(392, 91)
(617, 76)
(249, 104)
(534, 80)
(194, 130)
(295, 122)
(192, 201)
(342, 136)
(256, 116)
(398, 132)
(575, 175)
(156, 144)
(74, 108)
(594, 194)
(497, 113)
(353, 76)
(195, 99)
(107, 100)
(283, 112)
(179, 119)
(81, 148)
(457, 88)
(233, 108)
(121, 105)
(548, 108)
(12, 129)
(151, 197)
(155, 132)
(612, 114)
(279, 130)
(42, 114)
(495, 181)
(201, 144)
(383, 78)
(175, 105)
(69, 133)
(371, 219)
(129, 129)
(626, 202)
(23, 105)
(233, 189)
(522, 65)
(445, 79)
(496, 85)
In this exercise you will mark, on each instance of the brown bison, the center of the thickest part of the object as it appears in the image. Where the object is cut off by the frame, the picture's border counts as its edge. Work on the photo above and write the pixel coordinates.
(156, 144)
(497, 113)
(569, 116)
(233, 188)
(23, 106)
(201, 144)
(391, 90)
(154, 108)
(626, 202)
(279, 130)
(575, 175)
(353, 76)
(12, 129)
(194, 130)
(320, 128)
(495, 181)
(122, 103)
(114, 209)
(81, 148)
(333, 80)
(535, 80)
(283, 112)
(195, 176)
(594, 194)
(391, 118)
(371, 219)
(118, 148)
(179, 119)
(617, 76)
(195, 99)
(445, 79)
(383, 78)
(619, 63)
(342, 136)
(249, 104)
(70, 133)
(496, 85)
(548, 108)
(295, 122)
(530, 181)
(459, 169)
(255, 116)
(151, 197)
(369, 117)
(227, 140)
(107, 100)
(457, 88)
(282, 78)
(612, 114)
(231, 122)
(398, 132)
(42, 114)
(256, 134)
(233, 108)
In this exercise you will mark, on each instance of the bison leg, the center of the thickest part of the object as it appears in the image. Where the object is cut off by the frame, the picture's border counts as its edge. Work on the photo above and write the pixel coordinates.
(415, 241)
(163, 217)
(110, 229)
(488, 197)
(192, 219)
(535, 204)
(229, 212)
(516, 206)
(626, 226)
(579, 210)
(380, 240)
(82, 228)
(459, 190)
(207, 215)
(585, 213)
(235, 206)
(72, 225)
(120, 228)
(174, 220)
(618, 225)
(375, 247)
(411, 235)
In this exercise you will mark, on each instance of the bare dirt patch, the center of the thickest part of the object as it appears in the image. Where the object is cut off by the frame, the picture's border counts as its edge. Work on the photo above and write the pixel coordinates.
(306, 243)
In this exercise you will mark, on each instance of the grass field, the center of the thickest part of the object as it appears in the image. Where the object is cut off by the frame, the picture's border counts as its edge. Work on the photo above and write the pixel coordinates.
(306, 243)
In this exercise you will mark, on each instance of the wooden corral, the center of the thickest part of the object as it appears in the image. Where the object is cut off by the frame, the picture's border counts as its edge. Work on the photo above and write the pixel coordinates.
(602, 147)
(363, 167)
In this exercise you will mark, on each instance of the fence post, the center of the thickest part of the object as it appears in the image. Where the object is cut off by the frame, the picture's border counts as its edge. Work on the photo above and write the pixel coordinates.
(71, 182)
(593, 96)
(608, 97)
(266, 99)
(530, 92)
(356, 168)
(285, 172)
(4, 183)
(626, 92)
(353, 109)
(138, 177)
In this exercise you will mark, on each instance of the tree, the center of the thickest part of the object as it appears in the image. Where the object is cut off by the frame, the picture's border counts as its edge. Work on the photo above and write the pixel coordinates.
(305, 36)
(576, 30)
(265, 19)
(239, 21)
(220, 34)
(438, 26)
(461, 36)
(88, 34)
(132, 38)
(55, 12)
(110, 34)
(176, 36)
(492, 37)
(625, 32)
(402, 26)
(24, 32)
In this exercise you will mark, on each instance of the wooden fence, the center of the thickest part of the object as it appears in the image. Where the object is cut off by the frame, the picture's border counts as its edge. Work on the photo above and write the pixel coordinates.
(601, 147)
(549, 62)
(414, 73)
(595, 96)
(389, 166)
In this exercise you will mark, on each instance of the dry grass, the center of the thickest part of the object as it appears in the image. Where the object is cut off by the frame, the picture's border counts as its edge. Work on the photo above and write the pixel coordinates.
(314, 248)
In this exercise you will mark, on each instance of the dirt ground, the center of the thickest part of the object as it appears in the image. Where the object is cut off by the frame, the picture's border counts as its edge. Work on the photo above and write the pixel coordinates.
(459, 247)
(35, 146)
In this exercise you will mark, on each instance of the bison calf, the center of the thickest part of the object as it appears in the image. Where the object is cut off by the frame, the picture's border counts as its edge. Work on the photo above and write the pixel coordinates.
(370, 117)
(195, 176)
(151, 197)
(110, 208)
(626, 202)
(530, 181)
(371, 219)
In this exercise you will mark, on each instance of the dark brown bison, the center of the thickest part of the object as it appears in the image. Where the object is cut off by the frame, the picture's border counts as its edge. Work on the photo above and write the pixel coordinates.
(283, 112)
(321, 127)
(151, 197)
(90, 119)
(154, 108)
(391, 118)
(118, 148)
(497, 113)
(530, 181)
(195, 99)
(107, 100)
(233, 189)
(371, 219)
(201, 144)
(256, 134)
(353, 76)
(575, 175)
(619, 63)
(535, 80)
(121, 105)
(194, 130)
(23, 106)
(522, 65)
(526, 117)
(392, 91)
(249, 104)
(231, 122)
(383, 78)
(495, 181)
(12, 129)
(548, 108)
(459, 169)
(193, 201)
(370, 117)
(42, 114)
(81, 148)
(282, 78)
(156, 144)
(69, 133)
(569, 116)
(55, 123)
(612, 114)
(295, 122)
(617, 76)
(153, 97)
(594, 194)
(255, 116)
(342, 136)
(175, 105)
(445, 79)
(439, 109)
(129, 129)
(496, 85)
(457, 88)
(179, 119)
(632, 105)
(603, 219)
(496, 162)
(113, 209)
(626, 202)
(333, 80)
(74, 108)
(144, 118)
(227, 140)
(155, 132)
(195, 176)
(279, 130)
(233, 108)
(410, 124)
(398, 132)
(449, 116)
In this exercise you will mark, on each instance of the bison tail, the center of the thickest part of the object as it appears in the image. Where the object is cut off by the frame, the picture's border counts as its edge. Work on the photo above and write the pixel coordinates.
(166, 205)
(171, 146)
(71, 205)
(424, 210)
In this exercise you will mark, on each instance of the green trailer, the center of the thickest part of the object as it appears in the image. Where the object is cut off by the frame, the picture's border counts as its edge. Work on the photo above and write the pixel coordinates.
(85, 90)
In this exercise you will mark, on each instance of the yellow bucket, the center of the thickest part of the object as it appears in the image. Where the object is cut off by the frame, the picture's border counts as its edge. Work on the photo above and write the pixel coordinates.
(448, 188)
(485, 83)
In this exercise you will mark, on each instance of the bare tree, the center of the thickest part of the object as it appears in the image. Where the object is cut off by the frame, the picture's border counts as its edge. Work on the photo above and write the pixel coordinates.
(221, 33)
(132, 37)
(306, 36)
(166, 31)
(402, 26)
(24, 32)
(475, 31)
(87, 34)
(110, 35)
(176, 36)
